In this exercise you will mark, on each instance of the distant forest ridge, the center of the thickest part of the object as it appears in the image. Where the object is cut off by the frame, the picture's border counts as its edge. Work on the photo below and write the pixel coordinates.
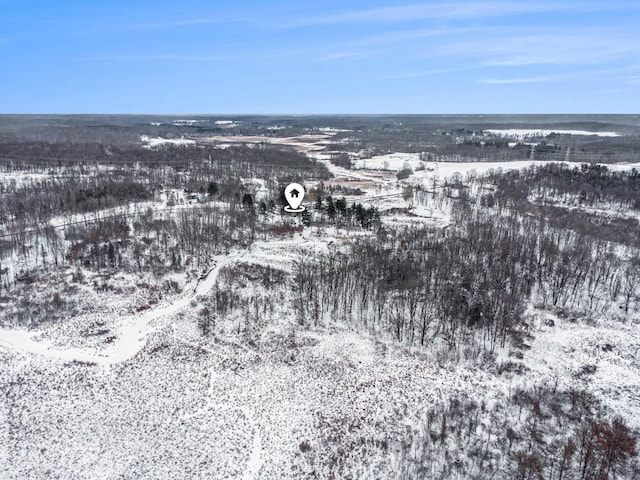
(522, 120)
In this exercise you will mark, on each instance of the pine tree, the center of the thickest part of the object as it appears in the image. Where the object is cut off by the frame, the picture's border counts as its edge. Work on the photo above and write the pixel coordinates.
(331, 208)
(306, 218)
(247, 201)
(341, 206)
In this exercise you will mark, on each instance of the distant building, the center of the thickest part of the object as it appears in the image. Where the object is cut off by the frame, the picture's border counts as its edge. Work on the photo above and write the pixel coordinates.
(193, 198)
(176, 196)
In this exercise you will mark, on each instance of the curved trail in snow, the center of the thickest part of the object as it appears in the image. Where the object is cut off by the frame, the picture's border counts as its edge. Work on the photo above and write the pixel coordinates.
(132, 337)
(131, 340)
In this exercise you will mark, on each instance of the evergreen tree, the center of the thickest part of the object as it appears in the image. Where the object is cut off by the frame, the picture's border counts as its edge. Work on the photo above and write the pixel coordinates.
(331, 208)
(306, 218)
(341, 206)
(247, 201)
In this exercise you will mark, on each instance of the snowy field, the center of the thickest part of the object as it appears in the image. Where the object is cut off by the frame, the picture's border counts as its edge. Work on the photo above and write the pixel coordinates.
(227, 123)
(422, 168)
(527, 133)
(181, 409)
(392, 161)
(154, 142)
(427, 169)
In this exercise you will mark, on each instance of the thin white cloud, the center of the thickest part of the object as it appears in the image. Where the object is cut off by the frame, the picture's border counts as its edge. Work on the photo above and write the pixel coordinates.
(410, 35)
(516, 81)
(614, 91)
(604, 73)
(344, 56)
(578, 48)
(458, 10)
(360, 48)
(153, 57)
(176, 23)
(169, 24)
(425, 73)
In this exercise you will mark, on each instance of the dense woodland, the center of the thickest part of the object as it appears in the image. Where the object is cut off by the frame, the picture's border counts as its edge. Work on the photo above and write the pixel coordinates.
(470, 284)
(589, 185)
(70, 185)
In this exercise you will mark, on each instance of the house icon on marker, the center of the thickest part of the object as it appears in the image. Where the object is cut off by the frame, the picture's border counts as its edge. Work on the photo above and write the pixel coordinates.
(294, 193)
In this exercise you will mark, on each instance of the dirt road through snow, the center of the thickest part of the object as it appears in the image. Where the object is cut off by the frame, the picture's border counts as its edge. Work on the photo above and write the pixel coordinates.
(130, 340)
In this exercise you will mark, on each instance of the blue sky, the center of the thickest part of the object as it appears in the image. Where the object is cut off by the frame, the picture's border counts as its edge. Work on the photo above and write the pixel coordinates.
(319, 56)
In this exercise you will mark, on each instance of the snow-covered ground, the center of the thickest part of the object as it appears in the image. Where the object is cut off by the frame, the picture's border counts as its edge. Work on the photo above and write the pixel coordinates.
(522, 133)
(623, 167)
(17, 179)
(333, 130)
(131, 211)
(305, 143)
(392, 161)
(159, 400)
(125, 344)
(425, 170)
(188, 122)
(182, 409)
(227, 123)
(601, 357)
(310, 142)
(445, 170)
(153, 142)
(163, 402)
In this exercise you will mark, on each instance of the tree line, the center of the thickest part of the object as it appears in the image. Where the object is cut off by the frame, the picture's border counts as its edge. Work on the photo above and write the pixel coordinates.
(587, 185)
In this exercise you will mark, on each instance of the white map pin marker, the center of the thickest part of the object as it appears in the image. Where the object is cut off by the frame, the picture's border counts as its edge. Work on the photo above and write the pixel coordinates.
(294, 194)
